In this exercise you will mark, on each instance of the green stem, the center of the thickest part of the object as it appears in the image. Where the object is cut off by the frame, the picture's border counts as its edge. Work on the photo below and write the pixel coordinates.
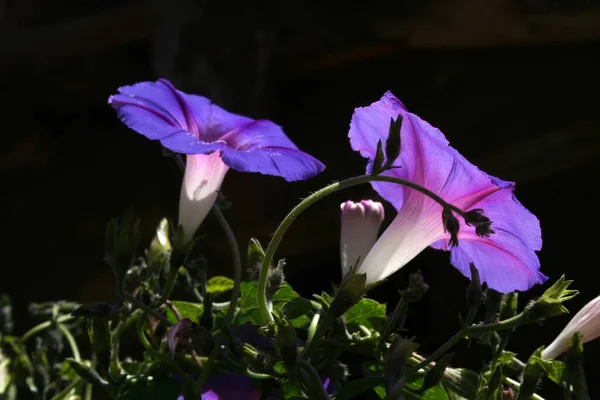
(89, 388)
(44, 325)
(313, 380)
(314, 324)
(313, 198)
(517, 386)
(142, 335)
(391, 325)
(235, 293)
(509, 323)
(64, 393)
(171, 279)
(72, 342)
(138, 304)
(319, 334)
(115, 369)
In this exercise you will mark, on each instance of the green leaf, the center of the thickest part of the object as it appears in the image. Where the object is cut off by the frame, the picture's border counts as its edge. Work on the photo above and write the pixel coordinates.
(412, 391)
(506, 358)
(368, 313)
(283, 294)
(296, 308)
(85, 371)
(218, 285)
(279, 367)
(186, 309)
(554, 369)
(355, 388)
(291, 389)
(372, 369)
(249, 304)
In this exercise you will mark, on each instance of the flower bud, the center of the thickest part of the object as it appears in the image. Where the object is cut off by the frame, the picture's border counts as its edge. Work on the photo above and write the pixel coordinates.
(451, 225)
(474, 293)
(550, 304)
(416, 288)
(586, 322)
(159, 252)
(121, 241)
(434, 375)
(286, 341)
(360, 226)
(481, 223)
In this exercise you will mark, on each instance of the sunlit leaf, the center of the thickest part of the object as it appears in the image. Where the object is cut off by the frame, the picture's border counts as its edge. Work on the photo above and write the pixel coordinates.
(218, 285)
(186, 309)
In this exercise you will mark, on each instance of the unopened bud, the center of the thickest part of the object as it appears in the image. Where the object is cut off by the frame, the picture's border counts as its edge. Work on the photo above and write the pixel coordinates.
(416, 288)
(451, 225)
(434, 375)
(550, 303)
(360, 226)
(493, 300)
(287, 344)
(394, 366)
(159, 252)
(276, 277)
(474, 293)
(351, 290)
(481, 223)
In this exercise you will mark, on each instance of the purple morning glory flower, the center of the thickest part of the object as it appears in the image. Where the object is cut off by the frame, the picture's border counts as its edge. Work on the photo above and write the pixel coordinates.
(213, 139)
(229, 387)
(236, 387)
(506, 260)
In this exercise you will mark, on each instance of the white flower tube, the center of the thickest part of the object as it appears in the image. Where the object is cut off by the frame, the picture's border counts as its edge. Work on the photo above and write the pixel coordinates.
(586, 322)
(204, 174)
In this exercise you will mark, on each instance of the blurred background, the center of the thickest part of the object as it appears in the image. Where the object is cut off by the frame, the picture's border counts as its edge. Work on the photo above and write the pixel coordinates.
(512, 83)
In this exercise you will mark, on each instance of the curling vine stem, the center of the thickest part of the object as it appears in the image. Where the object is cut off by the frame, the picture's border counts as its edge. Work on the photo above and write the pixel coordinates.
(265, 314)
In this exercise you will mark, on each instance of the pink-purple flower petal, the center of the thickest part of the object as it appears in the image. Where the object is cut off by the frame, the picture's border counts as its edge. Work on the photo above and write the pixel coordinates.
(506, 260)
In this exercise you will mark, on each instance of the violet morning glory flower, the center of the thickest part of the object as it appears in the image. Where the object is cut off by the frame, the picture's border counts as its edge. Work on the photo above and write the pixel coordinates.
(506, 260)
(237, 387)
(213, 139)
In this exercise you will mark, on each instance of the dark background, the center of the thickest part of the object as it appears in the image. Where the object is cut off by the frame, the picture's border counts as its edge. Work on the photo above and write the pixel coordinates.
(512, 83)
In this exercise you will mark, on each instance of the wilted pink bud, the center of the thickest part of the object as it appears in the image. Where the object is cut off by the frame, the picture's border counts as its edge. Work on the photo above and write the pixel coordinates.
(586, 322)
(181, 332)
(360, 226)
